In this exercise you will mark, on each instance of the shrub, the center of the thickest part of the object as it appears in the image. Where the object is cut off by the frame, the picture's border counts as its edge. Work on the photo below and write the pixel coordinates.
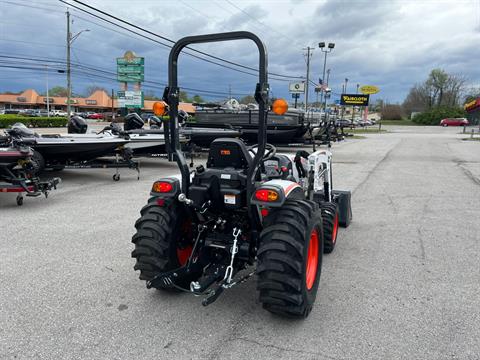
(392, 112)
(433, 116)
(10, 119)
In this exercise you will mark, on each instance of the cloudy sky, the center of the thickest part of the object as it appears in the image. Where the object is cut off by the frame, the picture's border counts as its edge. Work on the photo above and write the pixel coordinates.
(391, 44)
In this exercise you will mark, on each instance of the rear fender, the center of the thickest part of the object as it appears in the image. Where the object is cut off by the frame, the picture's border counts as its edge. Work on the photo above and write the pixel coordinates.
(285, 190)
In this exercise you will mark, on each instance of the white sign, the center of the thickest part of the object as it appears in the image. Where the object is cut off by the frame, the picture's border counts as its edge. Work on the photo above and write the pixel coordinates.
(297, 87)
(130, 99)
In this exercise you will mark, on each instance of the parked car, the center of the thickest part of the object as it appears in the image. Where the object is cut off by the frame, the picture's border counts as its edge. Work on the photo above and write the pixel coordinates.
(454, 122)
(58, 113)
(96, 116)
(28, 112)
(40, 113)
(11, 111)
(343, 123)
(363, 123)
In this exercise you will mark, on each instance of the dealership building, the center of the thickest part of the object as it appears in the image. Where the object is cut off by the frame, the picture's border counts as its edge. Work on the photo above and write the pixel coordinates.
(99, 101)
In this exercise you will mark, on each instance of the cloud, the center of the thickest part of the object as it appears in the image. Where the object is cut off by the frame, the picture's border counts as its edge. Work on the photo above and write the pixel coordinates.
(393, 44)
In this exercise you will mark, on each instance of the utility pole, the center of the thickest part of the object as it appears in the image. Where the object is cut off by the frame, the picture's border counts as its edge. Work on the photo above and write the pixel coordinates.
(69, 84)
(230, 91)
(325, 49)
(70, 40)
(308, 75)
(113, 109)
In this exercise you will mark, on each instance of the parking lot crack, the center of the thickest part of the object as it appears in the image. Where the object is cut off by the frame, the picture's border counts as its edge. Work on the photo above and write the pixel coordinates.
(469, 174)
(377, 165)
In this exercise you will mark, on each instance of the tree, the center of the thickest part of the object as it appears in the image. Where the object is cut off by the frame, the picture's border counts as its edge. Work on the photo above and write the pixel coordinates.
(439, 90)
(198, 99)
(436, 85)
(91, 89)
(150, 95)
(184, 97)
(249, 99)
(58, 91)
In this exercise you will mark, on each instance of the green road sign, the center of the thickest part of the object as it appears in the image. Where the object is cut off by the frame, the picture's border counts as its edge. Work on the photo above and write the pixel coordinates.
(130, 69)
(130, 77)
(131, 61)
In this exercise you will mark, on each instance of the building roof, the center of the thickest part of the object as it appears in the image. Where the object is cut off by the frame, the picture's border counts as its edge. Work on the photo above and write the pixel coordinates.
(99, 99)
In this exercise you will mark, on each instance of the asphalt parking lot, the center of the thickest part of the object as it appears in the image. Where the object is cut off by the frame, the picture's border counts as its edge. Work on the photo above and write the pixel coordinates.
(402, 283)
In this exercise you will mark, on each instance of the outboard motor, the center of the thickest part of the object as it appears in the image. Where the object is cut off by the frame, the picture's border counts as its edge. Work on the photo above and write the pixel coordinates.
(182, 116)
(20, 130)
(155, 122)
(133, 121)
(77, 125)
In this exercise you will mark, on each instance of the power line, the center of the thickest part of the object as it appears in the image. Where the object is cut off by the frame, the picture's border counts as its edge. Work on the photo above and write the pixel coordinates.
(89, 71)
(170, 40)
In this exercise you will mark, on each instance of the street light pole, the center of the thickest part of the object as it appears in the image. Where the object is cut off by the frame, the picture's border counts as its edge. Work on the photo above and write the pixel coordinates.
(330, 47)
(325, 104)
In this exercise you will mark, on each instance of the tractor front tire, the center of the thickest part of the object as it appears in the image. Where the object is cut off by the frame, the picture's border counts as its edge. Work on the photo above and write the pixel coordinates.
(290, 258)
(158, 245)
(330, 225)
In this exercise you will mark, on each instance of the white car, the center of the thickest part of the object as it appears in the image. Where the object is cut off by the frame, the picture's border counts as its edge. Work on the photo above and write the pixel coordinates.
(58, 113)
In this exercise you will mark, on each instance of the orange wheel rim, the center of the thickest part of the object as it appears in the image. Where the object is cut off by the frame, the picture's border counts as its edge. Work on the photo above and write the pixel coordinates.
(335, 229)
(312, 259)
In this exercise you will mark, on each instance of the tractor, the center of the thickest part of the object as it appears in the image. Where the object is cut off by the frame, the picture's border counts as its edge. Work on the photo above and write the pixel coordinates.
(249, 211)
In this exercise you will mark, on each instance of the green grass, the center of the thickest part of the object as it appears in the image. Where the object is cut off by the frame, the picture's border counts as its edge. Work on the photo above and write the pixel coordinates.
(400, 122)
(471, 139)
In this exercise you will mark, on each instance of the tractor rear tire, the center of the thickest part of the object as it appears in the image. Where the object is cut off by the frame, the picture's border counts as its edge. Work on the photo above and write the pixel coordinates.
(330, 225)
(290, 258)
(157, 241)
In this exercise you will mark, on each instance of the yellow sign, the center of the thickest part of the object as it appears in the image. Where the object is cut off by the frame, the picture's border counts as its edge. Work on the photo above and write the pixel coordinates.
(369, 89)
(470, 104)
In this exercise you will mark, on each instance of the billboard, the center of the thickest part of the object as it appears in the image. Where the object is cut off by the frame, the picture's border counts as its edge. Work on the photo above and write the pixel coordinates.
(130, 68)
(130, 99)
(354, 99)
(369, 89)
(297, 87)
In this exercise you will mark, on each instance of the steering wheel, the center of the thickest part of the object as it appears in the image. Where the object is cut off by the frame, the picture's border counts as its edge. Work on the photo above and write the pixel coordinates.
(270, 151)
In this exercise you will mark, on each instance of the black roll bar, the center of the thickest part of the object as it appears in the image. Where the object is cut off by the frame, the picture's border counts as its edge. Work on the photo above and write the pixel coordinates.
(172, 93)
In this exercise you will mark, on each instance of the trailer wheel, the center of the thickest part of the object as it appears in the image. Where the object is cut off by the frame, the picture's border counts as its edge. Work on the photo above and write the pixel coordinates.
(290, 258)
(19, 200)
(330, 225)
(162, 241)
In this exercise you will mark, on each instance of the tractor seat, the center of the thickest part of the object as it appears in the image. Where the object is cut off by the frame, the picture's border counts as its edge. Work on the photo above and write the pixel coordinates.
(228, 153)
